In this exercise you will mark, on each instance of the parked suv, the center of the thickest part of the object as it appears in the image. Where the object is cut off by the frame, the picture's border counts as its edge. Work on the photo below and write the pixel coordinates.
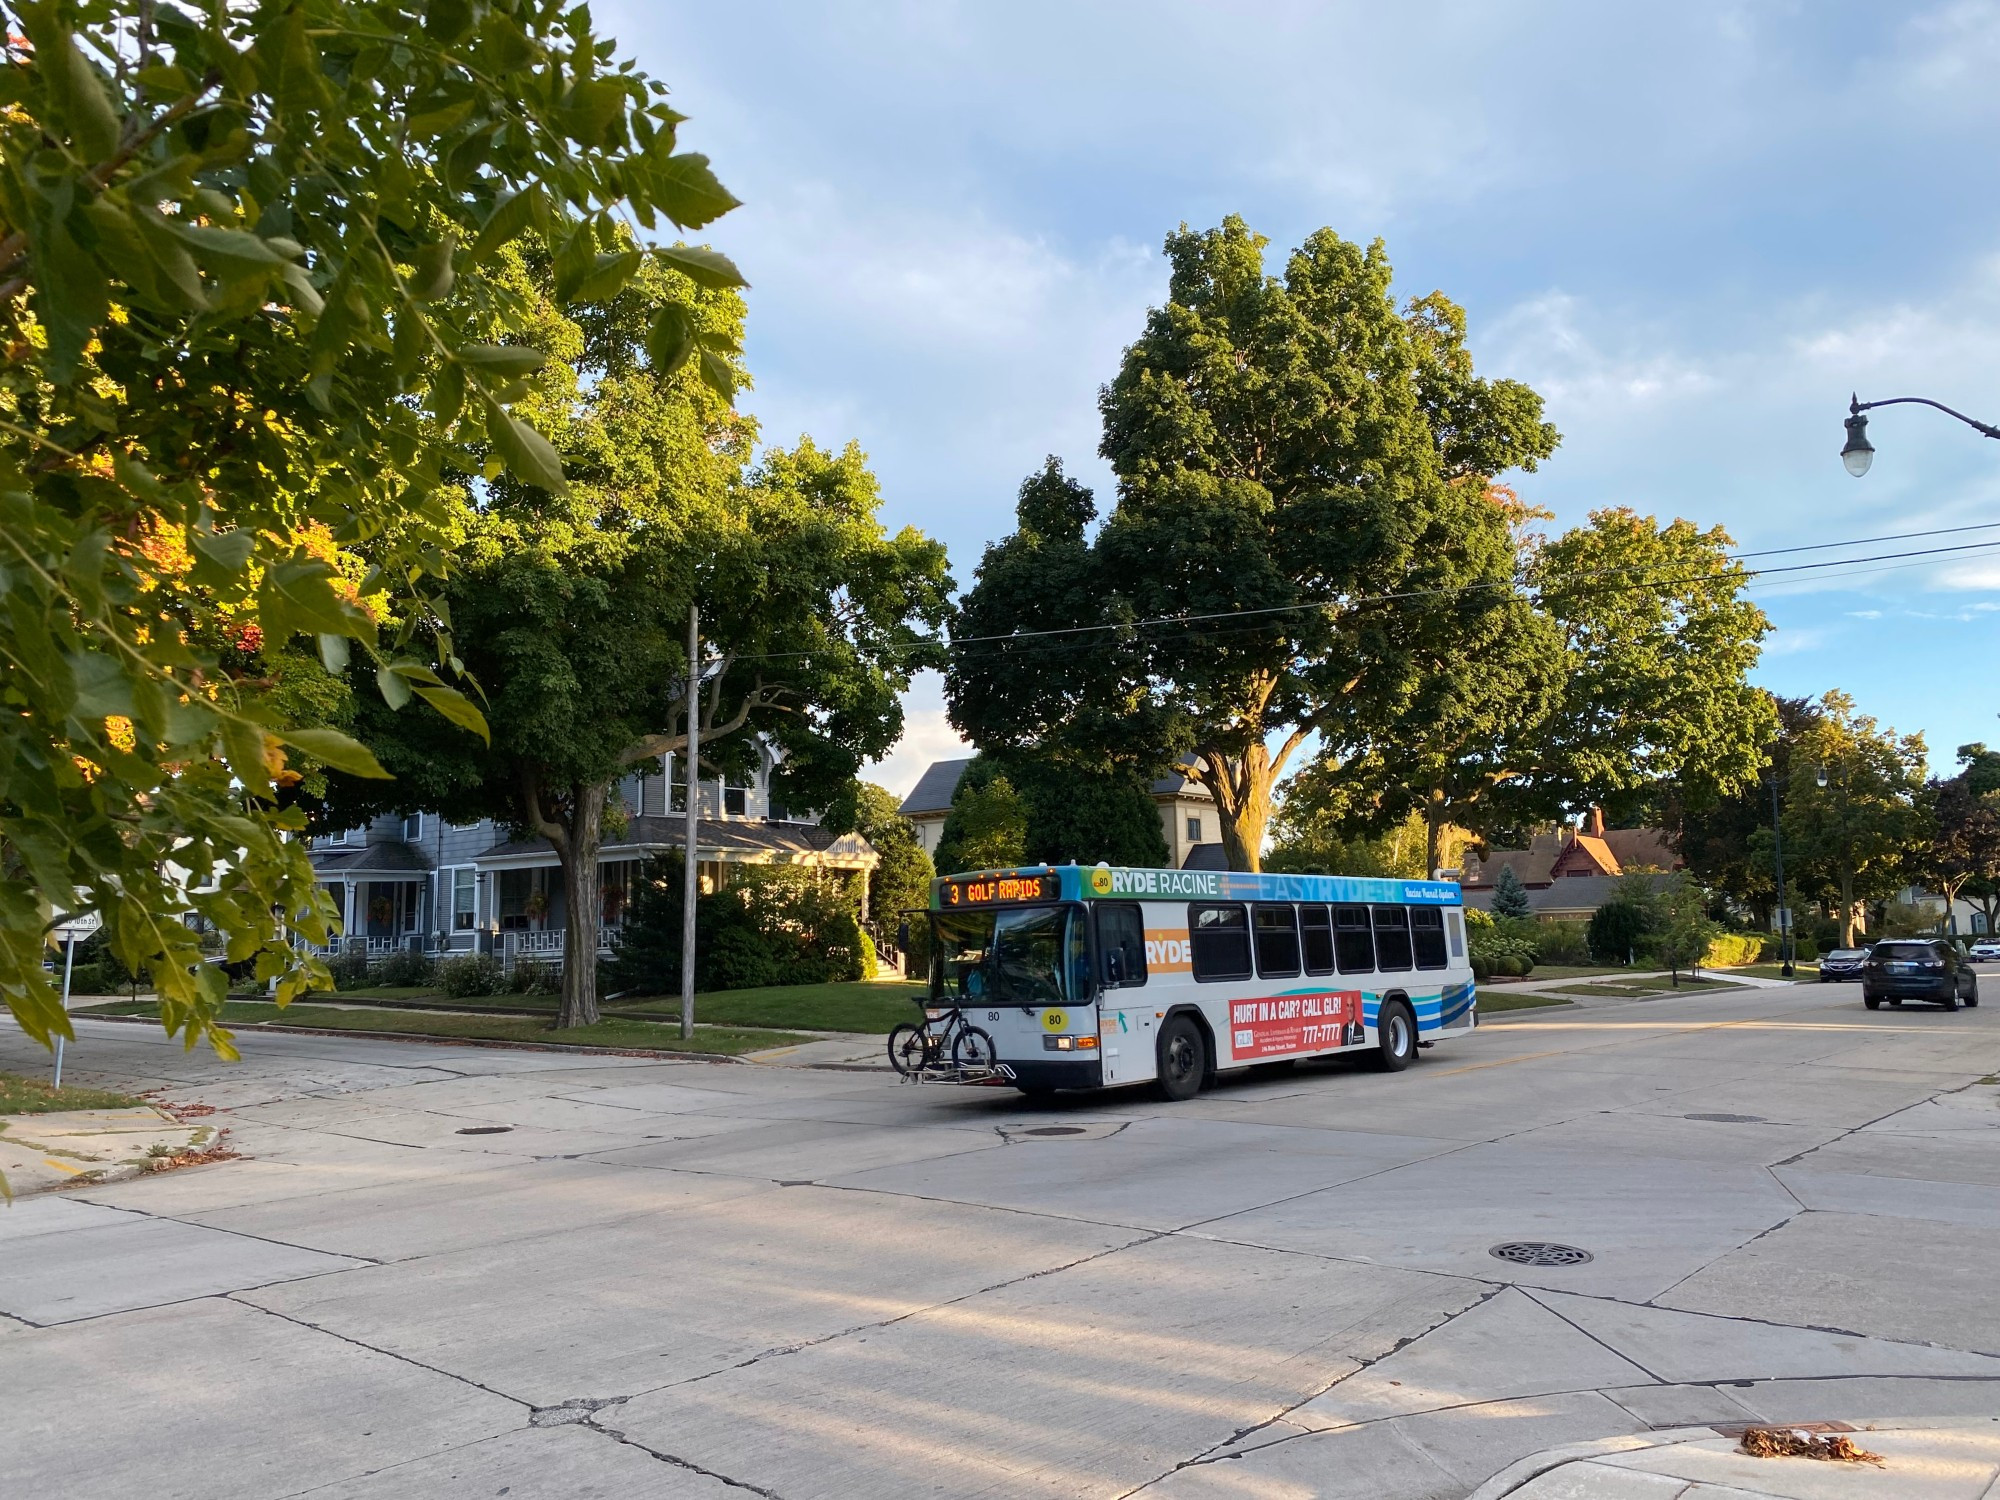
(1841, 964)
(1915, 970)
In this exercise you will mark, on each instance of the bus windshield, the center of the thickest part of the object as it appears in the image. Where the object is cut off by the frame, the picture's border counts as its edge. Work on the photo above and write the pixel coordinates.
(1032, 955)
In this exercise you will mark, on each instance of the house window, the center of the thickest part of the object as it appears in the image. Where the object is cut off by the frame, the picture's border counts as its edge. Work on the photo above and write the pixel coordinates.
(1194, 828)
(1979, 922)
(413, 827)
(333, 840)
(735, 797)
(464, 898)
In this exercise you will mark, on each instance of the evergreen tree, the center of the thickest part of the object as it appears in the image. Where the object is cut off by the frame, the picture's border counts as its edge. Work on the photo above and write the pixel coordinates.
(1510, 897)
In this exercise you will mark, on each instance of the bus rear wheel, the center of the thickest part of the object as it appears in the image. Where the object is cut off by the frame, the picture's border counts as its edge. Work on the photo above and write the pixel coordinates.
(1395, 1036)
(1183, 1056)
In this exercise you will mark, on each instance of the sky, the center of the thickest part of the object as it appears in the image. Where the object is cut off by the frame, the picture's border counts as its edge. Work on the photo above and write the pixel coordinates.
(1695, 229)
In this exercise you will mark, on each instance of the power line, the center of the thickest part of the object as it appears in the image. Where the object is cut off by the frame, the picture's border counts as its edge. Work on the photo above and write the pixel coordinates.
(1571, 584)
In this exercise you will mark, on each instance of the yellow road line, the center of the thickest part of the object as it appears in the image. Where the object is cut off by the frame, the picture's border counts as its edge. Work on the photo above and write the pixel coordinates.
(62, 1167)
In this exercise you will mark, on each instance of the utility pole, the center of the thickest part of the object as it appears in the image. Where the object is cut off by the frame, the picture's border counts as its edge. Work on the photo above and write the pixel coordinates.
(691, 780)
(1785, 948)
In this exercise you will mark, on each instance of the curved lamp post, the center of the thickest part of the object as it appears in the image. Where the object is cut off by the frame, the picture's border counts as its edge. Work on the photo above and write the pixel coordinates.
(1860, 453)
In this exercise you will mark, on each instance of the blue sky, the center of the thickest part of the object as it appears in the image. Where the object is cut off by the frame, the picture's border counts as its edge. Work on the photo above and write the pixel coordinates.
(1694, 228)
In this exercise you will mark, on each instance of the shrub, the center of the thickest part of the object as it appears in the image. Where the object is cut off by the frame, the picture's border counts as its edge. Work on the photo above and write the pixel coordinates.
(1618, 931)
(470, 975)
(1731, 950)
(533, 977)
(91, 979)
(349, 970)
(1804, 948)
(1482, 968)
(404, 968)
(1562, 943)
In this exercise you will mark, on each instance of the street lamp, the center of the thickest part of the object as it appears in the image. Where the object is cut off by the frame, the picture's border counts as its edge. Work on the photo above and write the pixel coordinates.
(1859, 453)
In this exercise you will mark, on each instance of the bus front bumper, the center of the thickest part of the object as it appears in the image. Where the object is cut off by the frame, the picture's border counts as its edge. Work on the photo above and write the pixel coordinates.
(1068, 1073)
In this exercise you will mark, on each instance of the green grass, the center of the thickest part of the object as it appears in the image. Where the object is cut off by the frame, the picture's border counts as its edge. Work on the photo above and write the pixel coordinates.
(397, 992)
(35, 1096)
(860, 1006)
(1571, 971)
(616, 1032)
(1489, 1001)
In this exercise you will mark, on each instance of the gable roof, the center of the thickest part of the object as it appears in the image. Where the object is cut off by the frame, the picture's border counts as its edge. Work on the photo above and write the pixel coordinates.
(1585, 851)
(1643, 847)
(933, 790)
(1579, 893)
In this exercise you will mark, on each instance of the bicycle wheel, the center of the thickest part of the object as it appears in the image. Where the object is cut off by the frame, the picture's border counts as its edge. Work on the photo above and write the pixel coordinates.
(972, 1048)
(909, 1049)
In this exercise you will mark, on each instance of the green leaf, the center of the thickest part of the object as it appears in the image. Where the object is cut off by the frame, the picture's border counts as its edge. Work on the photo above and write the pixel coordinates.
(670, 339)
(71, 298)
(717, 375)
(510, 216)
(297, 598)
(220, 556)
(395, 691)
(289, 64)
(502, 361)
(333, 653)
(102, 686)
(526, 453)
(243, 745)
(229, 252)
(76, 90)
(458, 708)
(607, 277)
(687, 191)
(702, 266)
(337, 750)
(137, 478)
(440, 119)
(575, 261)
(433, 276)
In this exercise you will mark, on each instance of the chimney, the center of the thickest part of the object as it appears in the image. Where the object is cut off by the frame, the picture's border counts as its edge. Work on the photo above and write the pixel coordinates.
(1596, 825)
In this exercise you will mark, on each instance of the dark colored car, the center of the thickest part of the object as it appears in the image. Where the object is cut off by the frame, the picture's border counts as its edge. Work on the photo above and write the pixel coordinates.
(1841, 964)
(1917, 970)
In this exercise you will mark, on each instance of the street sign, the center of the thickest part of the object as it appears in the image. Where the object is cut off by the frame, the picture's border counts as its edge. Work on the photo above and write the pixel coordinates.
(76, 929)
(1784, 922)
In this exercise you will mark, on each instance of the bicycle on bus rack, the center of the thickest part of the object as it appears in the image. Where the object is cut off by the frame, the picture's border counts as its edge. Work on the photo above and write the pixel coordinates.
(944, 1044)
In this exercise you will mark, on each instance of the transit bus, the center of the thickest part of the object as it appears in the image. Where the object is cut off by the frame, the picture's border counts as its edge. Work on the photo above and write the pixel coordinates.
(1088, 977)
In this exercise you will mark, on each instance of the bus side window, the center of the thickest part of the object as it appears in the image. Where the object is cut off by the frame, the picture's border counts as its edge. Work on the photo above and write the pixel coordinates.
(1392, 938)
(1427, 936)
(1454, 926)
(1277, 940)
(1316, 929)
(1353, 944)
(1121, 938)
(1219, 937)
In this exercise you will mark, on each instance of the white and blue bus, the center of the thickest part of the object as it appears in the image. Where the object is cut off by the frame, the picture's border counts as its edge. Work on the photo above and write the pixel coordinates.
(1091, 977)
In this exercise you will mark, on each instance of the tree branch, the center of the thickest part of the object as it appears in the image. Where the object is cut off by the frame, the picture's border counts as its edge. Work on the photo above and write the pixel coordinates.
(539, 821)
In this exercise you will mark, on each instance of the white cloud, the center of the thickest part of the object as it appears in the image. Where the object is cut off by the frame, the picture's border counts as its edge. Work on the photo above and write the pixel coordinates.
(1795, 641)
(927, 736)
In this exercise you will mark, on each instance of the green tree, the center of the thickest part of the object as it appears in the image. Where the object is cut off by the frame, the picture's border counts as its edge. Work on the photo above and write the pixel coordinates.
(1510, 897)
(1656, 700)
(1085, 812)
(1684, 930)
(987, 828)
(902, 882)
(1727, 841)
(1284, 446)
(1857, 837)
(1963, 856)
(573, 613)
(1309, 841)
(247, 261)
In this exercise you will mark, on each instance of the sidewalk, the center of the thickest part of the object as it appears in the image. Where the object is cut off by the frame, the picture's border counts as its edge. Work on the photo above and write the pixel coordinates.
(70, 1147)
(1953, 1461)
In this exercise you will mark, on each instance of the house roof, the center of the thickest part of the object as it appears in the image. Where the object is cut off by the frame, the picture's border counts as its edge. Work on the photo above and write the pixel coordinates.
(934, 788)
(1642, 848)
(393, 857)
(1531, 865)
(1585, 848)
(1580, 893)
(1205, 857)
(933, 792)
(805, 843)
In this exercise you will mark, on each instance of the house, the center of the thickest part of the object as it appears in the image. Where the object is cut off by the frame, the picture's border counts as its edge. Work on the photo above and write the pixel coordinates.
(422, 883)
(1570, 873)
(1187, 812)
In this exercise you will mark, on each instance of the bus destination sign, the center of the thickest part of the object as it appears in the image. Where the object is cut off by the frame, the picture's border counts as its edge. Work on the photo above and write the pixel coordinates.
(1000, 890)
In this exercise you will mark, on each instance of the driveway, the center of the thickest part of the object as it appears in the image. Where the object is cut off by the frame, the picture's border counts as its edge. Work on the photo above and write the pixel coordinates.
(456, 1272)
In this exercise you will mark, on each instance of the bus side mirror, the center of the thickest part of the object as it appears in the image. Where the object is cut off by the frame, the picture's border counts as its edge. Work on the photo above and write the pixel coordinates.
(1114, 966)
(903, 936)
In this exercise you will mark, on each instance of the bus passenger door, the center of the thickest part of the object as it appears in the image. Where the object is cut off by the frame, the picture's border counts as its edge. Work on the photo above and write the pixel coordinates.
(1124, 1011)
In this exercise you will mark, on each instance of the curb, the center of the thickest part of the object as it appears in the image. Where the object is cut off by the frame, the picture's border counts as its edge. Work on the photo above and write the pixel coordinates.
(447, 1041)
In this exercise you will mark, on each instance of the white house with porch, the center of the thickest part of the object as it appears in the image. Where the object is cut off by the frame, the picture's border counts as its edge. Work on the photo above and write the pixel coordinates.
(420, 883)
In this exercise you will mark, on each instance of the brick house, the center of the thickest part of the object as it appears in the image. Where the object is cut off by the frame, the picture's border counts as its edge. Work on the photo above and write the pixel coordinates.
(1570, 873)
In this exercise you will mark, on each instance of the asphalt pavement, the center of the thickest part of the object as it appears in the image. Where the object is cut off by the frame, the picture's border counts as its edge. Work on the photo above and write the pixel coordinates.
(455, 1272)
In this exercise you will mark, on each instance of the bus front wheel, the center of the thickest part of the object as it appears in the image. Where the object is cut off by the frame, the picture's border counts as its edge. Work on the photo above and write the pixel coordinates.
(1395, 1036)
(1183, 1059)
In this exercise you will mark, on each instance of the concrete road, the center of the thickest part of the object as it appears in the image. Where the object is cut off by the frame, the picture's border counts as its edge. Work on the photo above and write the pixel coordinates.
(454, 1272)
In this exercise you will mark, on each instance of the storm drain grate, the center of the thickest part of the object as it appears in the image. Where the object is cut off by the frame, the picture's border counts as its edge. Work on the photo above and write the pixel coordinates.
(486, 1129)
(1729, 1119)
(1539, 1253)
(1055, 1130)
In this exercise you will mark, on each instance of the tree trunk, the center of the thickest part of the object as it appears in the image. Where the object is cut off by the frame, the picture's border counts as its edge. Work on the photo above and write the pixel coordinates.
(1846, 907)
(1242, 792)
(583, 903)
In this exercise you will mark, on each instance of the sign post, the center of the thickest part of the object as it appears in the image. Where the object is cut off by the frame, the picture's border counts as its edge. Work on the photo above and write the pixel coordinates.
(69, 931)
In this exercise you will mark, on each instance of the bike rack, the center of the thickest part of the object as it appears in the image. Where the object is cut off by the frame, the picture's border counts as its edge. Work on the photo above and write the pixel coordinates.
(999, 1073)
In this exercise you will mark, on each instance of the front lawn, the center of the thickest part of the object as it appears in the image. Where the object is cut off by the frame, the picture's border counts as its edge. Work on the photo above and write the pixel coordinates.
(1490, 1002)
(36, 1096)
(611, 1032)
(860, 1006)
